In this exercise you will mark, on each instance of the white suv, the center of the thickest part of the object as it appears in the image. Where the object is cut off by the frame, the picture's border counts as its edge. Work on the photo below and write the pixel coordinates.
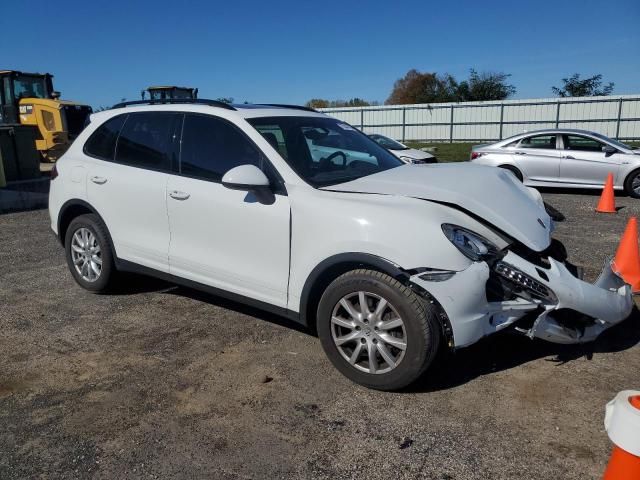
(386, 261)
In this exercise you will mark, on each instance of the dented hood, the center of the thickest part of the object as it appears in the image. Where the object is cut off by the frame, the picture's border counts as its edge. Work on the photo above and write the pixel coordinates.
(493, 194)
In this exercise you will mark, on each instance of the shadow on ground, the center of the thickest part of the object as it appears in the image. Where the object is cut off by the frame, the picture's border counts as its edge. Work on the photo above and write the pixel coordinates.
(133, 284)
(507, 350)
(496, 353)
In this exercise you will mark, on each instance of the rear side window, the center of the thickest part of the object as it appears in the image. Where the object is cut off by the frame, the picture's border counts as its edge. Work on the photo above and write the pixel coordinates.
(102, 143)
(539, 141)
(211, 147)
(146, 140)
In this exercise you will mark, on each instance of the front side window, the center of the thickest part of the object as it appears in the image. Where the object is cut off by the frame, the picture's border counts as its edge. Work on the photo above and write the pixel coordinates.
(212, 146)
(26, 86)
(102, 143)
(582, 144)
(324, 151)
(146, 140)
(539, 141)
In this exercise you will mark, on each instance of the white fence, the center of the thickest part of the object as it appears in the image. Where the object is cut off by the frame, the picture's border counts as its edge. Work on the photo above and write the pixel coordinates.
(615, 116)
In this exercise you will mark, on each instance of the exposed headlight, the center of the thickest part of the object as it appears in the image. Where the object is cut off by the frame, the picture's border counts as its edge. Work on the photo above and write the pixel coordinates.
(472, 245)
(407, 159)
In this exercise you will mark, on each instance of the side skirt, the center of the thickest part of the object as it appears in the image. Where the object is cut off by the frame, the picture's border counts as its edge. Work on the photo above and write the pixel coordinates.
(127, 266)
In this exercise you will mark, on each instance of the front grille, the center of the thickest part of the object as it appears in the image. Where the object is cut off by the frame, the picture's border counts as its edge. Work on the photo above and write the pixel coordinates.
(521, 279)
(76, 118)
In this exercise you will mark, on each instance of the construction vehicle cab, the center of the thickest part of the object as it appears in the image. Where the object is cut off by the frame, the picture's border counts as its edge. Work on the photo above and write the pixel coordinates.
(29, 99)
(170, 92)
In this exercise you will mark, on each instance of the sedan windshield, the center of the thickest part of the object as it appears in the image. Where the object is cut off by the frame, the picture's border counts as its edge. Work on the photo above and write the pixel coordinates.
(324, 151)
(388, 143)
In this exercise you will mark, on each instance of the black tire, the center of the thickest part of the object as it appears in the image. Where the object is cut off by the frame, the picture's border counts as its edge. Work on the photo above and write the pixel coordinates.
(513, 170)
(421, 325)
(93, 223)
(628, 187)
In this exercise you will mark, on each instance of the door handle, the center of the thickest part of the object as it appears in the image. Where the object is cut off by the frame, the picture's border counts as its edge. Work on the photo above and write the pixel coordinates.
(99, 180)
(569, 157)
(177, 195)
(521, 153)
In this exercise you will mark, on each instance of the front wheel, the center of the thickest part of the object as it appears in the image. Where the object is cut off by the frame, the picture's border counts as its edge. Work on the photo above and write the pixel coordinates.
(376, 331)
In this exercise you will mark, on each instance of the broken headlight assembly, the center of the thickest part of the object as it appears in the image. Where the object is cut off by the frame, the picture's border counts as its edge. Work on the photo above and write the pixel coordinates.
(470, 244)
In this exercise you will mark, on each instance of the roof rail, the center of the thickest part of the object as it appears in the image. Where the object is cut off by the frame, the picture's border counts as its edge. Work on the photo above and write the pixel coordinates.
(294, 107)
(198, 101)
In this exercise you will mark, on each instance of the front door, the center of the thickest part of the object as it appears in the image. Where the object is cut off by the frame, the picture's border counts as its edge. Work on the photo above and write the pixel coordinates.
(224, 238)
(585, 162)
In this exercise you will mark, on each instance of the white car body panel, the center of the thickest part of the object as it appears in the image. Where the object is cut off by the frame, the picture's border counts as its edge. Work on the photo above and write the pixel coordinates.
(475, 188)
(132, 201)
(226, 239)
(412, 153)
(207, 233)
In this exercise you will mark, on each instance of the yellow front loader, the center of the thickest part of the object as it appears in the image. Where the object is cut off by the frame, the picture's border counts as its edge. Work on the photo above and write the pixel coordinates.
(29, 99)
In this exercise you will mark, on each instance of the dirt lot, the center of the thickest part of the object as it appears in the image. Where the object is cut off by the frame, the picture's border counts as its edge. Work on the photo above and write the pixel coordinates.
(165, 382)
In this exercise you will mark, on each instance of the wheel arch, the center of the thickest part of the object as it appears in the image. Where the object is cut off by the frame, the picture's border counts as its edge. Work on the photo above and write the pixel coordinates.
(74, 208)
(513, 169)
(331, 268)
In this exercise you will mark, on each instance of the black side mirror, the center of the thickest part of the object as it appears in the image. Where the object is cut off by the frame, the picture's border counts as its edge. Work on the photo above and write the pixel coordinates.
(609, 150)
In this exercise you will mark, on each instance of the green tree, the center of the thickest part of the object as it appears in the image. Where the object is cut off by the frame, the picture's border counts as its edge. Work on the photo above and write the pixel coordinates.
(225, 99)
(574, 86)
(485, 86)
(354, 102)
(317, 103)
(418, 87)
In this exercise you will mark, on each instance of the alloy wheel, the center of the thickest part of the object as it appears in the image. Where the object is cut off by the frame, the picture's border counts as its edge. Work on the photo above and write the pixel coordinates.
(86, 254)
(368, 332)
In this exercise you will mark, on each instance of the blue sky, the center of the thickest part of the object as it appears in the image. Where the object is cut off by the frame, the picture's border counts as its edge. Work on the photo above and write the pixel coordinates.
(289, 51)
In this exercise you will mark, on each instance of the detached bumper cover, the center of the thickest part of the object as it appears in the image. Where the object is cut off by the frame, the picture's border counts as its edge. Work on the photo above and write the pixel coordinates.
(598, 306)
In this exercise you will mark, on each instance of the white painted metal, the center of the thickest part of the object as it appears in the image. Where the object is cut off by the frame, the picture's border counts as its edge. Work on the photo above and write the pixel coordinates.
(481, 121)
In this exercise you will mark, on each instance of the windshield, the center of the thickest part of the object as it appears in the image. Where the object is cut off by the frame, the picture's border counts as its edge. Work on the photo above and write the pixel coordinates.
(170, 93)
(612, 141)
(388, 143)
(25, 86)
(324, 151)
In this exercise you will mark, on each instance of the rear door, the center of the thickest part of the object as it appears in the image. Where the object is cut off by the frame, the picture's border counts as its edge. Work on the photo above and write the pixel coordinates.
(228, 239)
(128, 164)
(538, 158)
(585, 162)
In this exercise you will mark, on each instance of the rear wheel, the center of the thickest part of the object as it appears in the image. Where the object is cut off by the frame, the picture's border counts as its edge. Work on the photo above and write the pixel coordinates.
(632, 184)
(376, 331)
(89, 254)
(513, 170)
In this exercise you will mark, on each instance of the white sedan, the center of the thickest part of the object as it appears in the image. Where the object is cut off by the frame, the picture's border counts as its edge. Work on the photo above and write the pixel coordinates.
(564, 158)
(400, 150)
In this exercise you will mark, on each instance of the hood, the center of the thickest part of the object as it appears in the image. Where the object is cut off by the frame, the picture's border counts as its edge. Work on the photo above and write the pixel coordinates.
(491, 193)
(413, 154)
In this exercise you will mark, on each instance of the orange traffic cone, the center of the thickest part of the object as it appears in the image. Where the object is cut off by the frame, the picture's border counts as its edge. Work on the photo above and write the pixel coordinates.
(607, 203)
(622, 422)
(627, 260)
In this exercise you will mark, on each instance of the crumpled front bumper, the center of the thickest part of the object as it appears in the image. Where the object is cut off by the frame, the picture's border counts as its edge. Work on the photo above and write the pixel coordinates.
(597, 306)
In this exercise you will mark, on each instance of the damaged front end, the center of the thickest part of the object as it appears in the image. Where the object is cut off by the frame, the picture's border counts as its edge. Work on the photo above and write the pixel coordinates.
(537, 296)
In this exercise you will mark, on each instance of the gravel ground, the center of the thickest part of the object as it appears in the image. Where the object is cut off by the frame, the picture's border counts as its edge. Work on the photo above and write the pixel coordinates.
(164, 382)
